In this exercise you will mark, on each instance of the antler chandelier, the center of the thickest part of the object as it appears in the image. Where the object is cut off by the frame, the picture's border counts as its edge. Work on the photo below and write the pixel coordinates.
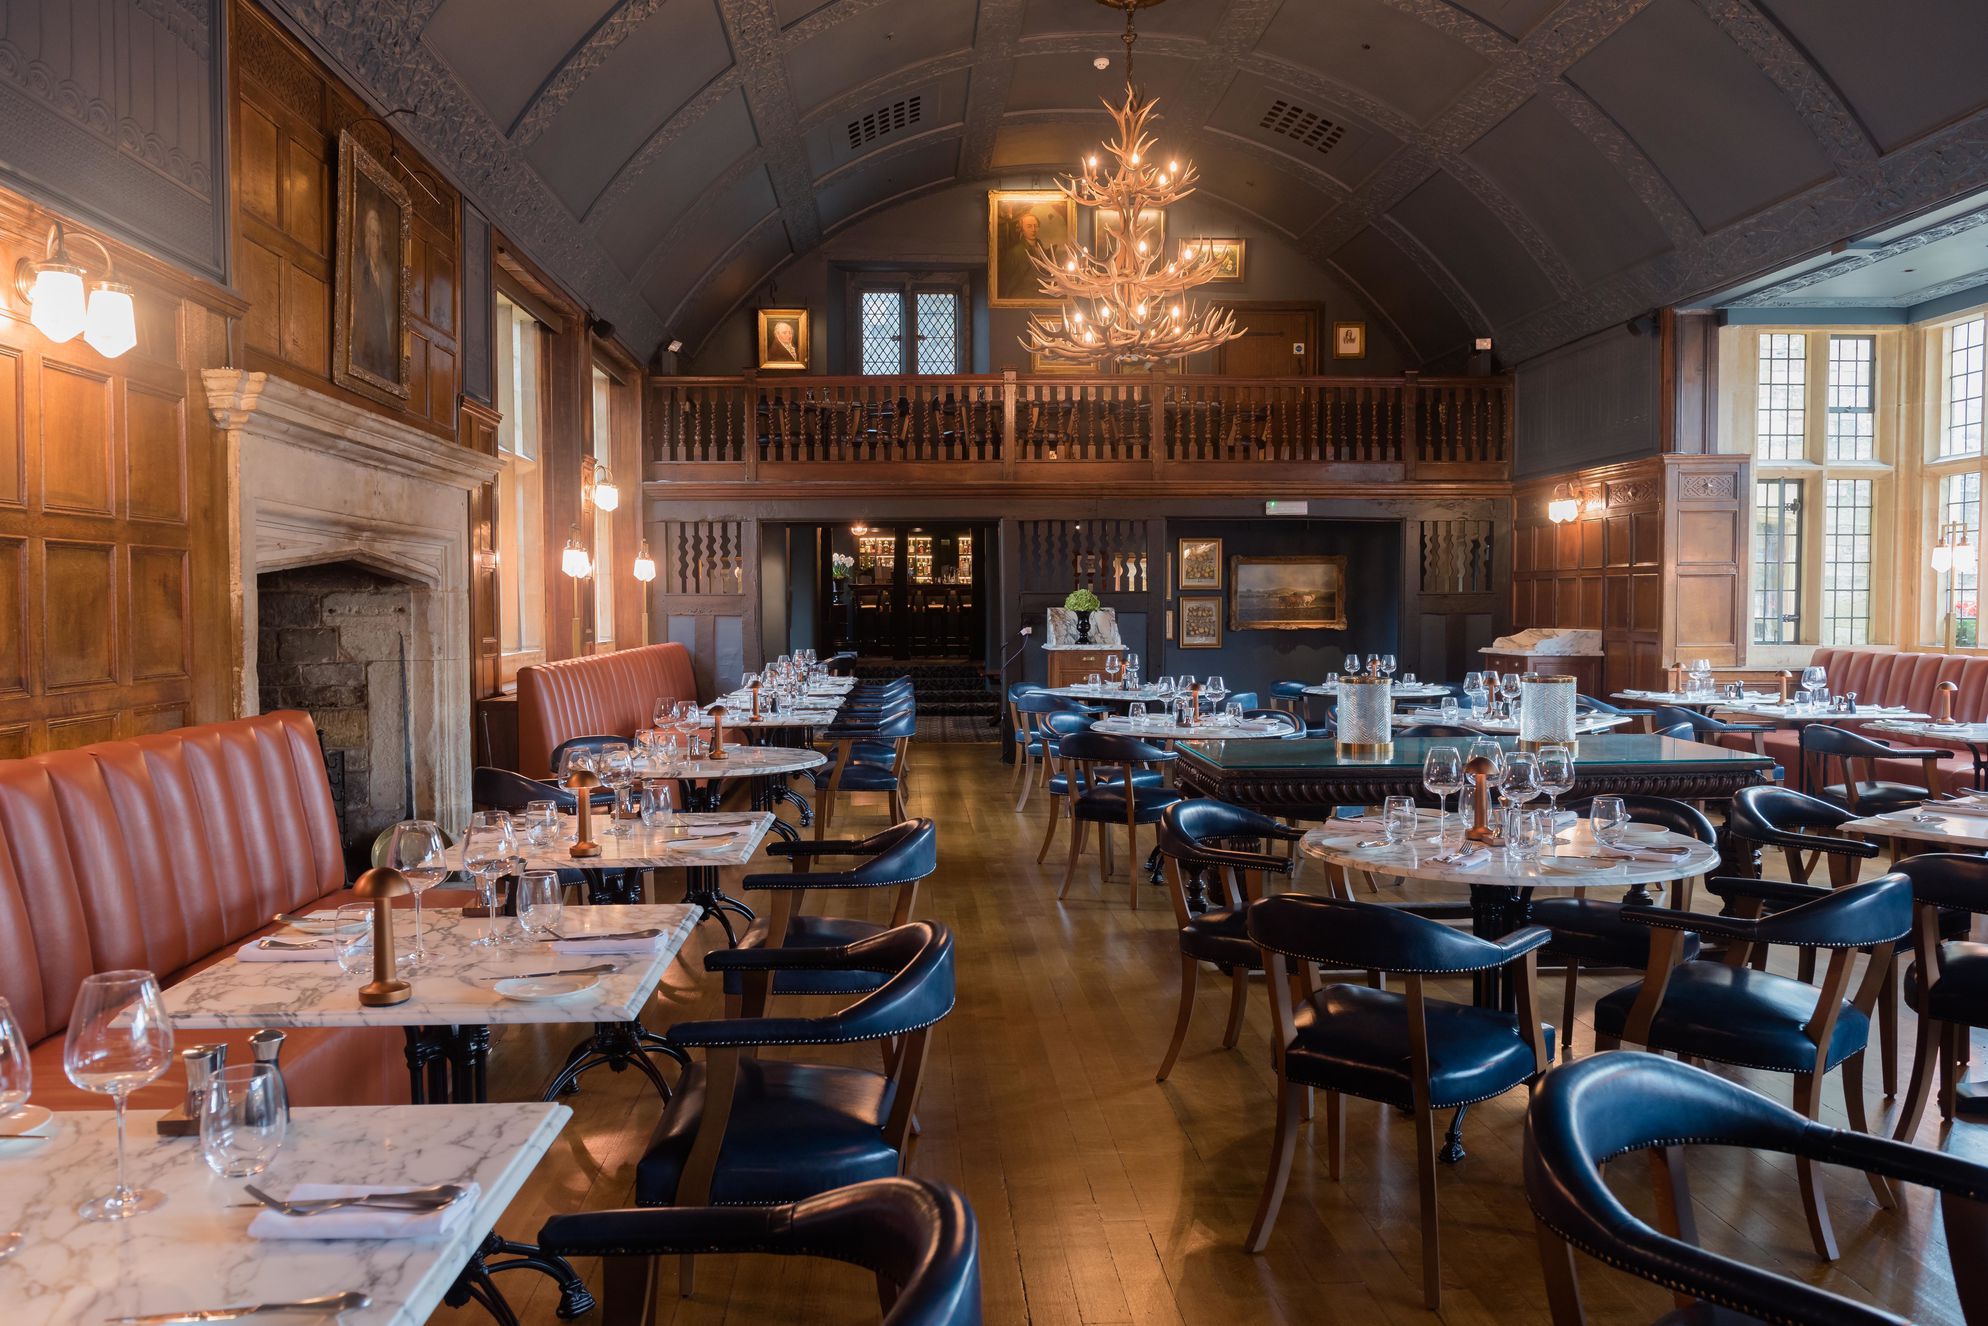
(1128, 302)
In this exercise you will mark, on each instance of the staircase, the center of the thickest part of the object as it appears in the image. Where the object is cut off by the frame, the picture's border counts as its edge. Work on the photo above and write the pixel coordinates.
(954, 702)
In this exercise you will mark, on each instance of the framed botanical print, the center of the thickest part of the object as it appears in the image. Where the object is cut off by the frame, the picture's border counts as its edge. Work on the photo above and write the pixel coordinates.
(1021, 222)
(373, 266)
(1200, 622)
(1200, 563)
(784, 339)
(1152, 228)
(1349, 340)
(1306, 593)
(1230, 253)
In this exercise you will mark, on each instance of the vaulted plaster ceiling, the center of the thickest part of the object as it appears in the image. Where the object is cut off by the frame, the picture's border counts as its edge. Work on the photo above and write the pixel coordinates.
(1527, 169)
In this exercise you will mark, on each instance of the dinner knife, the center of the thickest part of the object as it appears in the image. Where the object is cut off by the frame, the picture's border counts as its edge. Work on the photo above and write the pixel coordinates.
(329, 1304)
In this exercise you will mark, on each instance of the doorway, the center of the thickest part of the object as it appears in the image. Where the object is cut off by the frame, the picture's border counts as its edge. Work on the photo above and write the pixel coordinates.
(1278, 341)
(910, 592)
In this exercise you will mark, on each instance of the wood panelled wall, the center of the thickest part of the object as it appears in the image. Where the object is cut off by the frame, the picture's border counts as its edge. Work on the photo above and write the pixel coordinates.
(113, 579)
(1656, 562)
(288, 111)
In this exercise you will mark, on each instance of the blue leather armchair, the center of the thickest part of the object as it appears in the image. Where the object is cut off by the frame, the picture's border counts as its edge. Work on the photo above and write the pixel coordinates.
(1405, 1049)
(1947, 981)
(1826, 749)
(1105, 789)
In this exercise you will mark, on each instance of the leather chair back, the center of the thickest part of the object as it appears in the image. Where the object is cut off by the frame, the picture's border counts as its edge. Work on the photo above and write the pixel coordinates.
(897, 855)
(605, 694)
(1680, 817)
(1189, 831)
(155, 853)
(1368, 936)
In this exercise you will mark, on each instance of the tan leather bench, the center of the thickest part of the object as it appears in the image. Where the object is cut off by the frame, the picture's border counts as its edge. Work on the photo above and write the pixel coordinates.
(598, 696)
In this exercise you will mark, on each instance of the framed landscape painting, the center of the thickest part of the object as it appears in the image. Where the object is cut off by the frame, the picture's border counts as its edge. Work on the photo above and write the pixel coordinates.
(1230, 252)
(1201, 622)
(1287, 593)
(1200, 563)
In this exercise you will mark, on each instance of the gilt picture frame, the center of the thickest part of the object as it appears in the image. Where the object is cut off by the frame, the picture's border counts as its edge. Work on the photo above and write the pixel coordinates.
(785, 340)
(1302, 593)
(373, 277)
(1200, 622)
(1200, 563)
(1232, 253)
(1019, 222)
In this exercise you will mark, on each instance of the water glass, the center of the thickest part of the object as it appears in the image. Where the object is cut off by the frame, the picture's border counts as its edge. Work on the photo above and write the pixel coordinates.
(1398, 820)
(1232, 713)
(1526, 832)
(1607, 817)
(415, 848)
(244, 1120)
(1448, 709)
(1408, 679)
(1094, 681)
(541, 903)
(658, 803)
(1135, 713)
(17, 1077)
(542, 821)
(119, 1039)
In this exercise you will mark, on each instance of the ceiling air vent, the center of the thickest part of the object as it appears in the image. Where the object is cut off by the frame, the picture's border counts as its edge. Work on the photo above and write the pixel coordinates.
(894, 118)
(1297, 124)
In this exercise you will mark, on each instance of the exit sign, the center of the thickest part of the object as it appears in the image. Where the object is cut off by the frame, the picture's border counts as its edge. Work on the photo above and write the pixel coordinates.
(1276, 508)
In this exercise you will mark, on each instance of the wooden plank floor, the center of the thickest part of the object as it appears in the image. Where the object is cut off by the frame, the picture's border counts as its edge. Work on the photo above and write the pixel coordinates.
(1103, 1197)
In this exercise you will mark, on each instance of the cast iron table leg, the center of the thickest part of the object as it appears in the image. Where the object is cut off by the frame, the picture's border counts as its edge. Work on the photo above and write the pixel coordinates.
(617, 1046)
(700, 883)
(474, 1282)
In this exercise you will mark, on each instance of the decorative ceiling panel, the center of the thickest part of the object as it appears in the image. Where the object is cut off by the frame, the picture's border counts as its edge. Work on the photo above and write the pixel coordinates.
(1449, 221)
(1377, 49)
(875, 40)
(629, 224)
(1899, 88)
(504, 50)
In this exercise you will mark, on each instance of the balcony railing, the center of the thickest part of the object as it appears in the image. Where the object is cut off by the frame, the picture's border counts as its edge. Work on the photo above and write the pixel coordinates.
(1386, 427)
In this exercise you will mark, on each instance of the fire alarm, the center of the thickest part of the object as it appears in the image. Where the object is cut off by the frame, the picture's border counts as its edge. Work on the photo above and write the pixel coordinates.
(1102, 63)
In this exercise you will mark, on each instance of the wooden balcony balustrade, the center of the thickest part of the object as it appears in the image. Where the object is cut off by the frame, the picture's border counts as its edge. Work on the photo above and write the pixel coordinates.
(1013, 425)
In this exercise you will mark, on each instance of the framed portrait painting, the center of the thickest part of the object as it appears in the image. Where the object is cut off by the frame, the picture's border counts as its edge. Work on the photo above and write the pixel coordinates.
(1305, 593)
(1230, 253)
(1200, 563)
(1349, 340)
(373, 265)
(784, 340)
(1200, 622)
(1021, 222)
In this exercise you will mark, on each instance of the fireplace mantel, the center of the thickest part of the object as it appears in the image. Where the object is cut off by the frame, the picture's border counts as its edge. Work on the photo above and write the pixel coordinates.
(316, 480)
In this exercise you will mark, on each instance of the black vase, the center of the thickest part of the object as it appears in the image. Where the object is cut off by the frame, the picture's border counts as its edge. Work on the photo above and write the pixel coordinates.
(1083, 626)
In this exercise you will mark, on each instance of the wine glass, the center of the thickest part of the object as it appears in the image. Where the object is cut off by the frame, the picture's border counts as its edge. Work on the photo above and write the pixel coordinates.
(1607, 816)
(1815, 683)
(1352, 665)
(1554, 768)
(487, 852)
(243, 1120)
(1508, 690)
(1113, 665)
(119, 1039)
(617, 771)
(1518, 784)
(17, 1076)
(541, 903)
(543, 819)
(1131, 669)
(1166, 687)
(1387, 665)
(1476, 690)
(1442, 774)
(415, 848)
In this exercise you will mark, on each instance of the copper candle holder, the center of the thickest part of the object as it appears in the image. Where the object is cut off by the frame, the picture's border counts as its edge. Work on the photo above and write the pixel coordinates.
(718, 729)
(1943, 695)
(755, 702)
(583, 782)
(1480, 830)
(380, 886)
(1787, 680)
(1194, 704)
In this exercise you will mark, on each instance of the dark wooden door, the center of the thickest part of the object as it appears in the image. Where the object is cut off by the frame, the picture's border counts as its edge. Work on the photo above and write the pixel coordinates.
(1277, 343)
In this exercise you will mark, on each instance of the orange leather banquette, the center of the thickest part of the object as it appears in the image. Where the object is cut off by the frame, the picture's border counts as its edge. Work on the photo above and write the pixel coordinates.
(1887, 676)
(166, 853)
(597, 696)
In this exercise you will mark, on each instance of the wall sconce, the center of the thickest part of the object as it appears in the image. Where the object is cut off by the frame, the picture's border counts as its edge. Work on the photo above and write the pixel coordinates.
(1955, 551)
(1563, 506)
(645, 565)
(53, 287)
(575, 560)
(606, 496)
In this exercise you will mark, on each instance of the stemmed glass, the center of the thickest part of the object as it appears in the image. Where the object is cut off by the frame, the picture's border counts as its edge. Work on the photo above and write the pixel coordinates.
(1554, 768)
(1508, 691)
(487, 853)
(16, 1084)
(415, 848)
(1131, 670)
(1387, 665)
(1352, 665)
(1113, 665)
(617, 772)
(119, 1039)
(1442, 774)
(1489, 749)
(1477, 691)
(1518, 784)
(1216, 690)
(1815, 684)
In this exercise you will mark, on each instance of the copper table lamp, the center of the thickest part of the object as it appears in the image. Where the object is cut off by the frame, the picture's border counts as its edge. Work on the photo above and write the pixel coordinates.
(718, 730)
(1480, 831)
(583, 782)
(380, 886)
(1943, 695)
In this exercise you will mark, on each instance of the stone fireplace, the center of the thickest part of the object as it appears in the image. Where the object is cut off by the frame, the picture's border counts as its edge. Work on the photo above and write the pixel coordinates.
(357, 527)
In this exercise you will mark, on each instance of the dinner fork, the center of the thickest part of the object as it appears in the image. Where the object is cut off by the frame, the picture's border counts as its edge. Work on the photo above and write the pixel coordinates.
(432, 1198)
(292, 943)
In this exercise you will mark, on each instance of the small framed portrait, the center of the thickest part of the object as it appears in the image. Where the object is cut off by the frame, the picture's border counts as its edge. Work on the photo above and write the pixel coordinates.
(1200, 563)
(1021, 222)
(784, 340)
(1105, 228)
(1230, 253)
(1200, 622)
(374, 259)
(1349, 340)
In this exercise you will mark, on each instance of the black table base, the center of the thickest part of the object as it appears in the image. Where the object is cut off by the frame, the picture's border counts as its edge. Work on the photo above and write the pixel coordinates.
(618, 1047)
(474, 1283)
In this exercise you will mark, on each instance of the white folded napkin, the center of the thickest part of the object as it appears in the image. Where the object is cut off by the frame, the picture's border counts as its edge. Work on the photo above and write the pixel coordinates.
(1662, 855)
(361, 1222)
(1476, 856)
(254, 952)
(1973, 809)
(715, 830)
(583, 944)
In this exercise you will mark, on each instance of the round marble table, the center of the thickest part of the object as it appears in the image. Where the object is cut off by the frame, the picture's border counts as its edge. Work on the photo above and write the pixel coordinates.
(1109, 694)
(1401, 690)
(1153, 729)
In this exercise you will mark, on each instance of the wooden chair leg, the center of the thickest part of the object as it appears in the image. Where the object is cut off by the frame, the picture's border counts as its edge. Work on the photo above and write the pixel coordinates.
(1563, 1286)
(1290, 1103)
(1853, 1109)
(1927, 1046)
(1567, 1011)
(1335, 1134)
(1104, 855)
(1807, 1092)
(1078, 830)
(1028, 784)
(1238, 1004)
(1952, 1037)
(1058, 808)
(1888, 1029)
(1425, 1178)
(1190, 972)
(1132, 864)
(686, 1275)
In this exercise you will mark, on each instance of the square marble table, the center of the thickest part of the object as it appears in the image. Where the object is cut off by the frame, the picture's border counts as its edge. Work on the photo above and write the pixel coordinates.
(453, 1006)
(639, 847)
(194, 1252)
(1952, 831)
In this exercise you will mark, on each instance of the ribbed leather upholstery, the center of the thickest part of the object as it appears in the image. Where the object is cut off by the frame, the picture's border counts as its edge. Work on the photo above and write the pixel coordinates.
(1886, 676)
(604, 695)
(163, 853)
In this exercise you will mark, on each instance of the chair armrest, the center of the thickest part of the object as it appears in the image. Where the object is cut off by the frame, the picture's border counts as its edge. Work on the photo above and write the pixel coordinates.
(1747, 727)
(1237, 859)
(787, 959)
(737, 1033)
(1767, 890)
(656, 1230)
(816, 879)
(1525, 940)
(1702, 923)
(1910, 753)
(1806, 842)
(826, 847)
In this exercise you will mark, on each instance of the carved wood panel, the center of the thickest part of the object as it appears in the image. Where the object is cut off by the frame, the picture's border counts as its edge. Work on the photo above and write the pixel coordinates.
(114, 616)
(288, 114)
(1602, 571)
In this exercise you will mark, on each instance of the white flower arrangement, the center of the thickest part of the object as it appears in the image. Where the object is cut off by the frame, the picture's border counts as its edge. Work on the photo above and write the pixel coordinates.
(840, 565)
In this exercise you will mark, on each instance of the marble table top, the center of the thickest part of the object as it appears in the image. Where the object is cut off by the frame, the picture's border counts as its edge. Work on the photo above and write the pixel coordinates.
(455, 988)
(1953, 830)
(1797, 715)
(1584, 724)
(1401, 690)
(1154, 729)
(1415, 860)
(1967, 733)
(738, 714)
(1690, 699)
(194, 1252)
(739, 762)
(643, 848)
(1116, 694)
